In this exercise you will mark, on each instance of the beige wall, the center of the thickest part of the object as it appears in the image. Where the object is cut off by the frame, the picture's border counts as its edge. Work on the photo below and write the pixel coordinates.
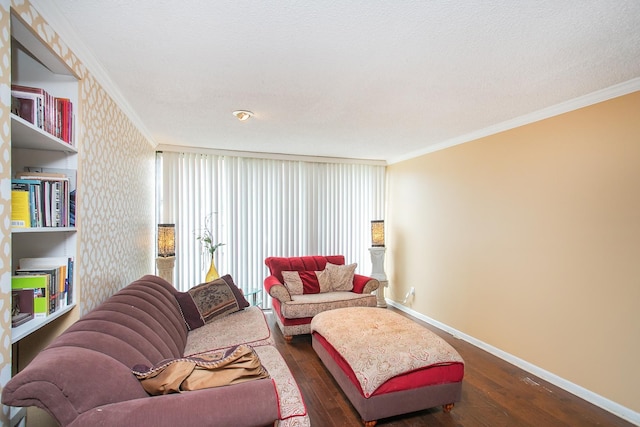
(529, 240)
(116, 213)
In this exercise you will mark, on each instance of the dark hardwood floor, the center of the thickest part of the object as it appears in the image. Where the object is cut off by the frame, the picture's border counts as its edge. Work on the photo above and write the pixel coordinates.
(495, 393)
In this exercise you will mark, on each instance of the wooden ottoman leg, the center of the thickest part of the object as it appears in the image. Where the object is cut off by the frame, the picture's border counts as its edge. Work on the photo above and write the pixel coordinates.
(288, 338)
(369, 423)
(448, 407)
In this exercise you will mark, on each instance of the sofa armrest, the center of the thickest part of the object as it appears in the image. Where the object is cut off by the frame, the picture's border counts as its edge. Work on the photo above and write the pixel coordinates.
(364, 284)
(276, 289)
(220, 406)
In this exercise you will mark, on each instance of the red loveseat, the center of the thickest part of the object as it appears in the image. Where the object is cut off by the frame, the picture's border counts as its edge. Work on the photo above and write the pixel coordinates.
(295, 309)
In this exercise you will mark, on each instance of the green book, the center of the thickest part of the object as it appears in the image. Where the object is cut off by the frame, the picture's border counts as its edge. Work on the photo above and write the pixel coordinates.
(40, 285)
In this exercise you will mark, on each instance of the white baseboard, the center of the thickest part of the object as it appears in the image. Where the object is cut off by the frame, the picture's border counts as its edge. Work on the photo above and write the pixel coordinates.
(591, 397)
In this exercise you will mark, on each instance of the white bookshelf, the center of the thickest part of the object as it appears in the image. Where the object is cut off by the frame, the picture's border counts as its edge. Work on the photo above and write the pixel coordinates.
(33, 64)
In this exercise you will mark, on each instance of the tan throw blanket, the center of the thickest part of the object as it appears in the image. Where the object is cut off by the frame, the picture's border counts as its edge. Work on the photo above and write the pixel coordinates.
(379, 344)
(234, 366)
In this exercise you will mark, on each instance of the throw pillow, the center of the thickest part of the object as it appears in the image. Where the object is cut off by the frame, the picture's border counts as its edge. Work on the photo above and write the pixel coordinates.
(209, 301)
(324, 280)
(341, 276)
(301, 282)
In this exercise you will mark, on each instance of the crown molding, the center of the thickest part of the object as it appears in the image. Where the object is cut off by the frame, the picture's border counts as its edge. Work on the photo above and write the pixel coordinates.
(270, 156)
(61, 26)
(611, 92)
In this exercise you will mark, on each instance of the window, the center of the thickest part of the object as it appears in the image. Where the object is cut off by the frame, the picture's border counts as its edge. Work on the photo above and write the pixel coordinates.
(266, 207)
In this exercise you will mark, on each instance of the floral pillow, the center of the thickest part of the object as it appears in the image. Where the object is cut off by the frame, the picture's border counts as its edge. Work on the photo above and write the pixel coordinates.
(341, 276)
(209, 301)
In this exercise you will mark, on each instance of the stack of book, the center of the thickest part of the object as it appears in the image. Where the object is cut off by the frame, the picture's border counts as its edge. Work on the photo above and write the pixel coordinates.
(42, 199)
(51, 114)
(47, 282)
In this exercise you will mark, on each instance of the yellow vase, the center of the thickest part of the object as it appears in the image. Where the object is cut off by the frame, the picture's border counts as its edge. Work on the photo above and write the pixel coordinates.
(212, 274)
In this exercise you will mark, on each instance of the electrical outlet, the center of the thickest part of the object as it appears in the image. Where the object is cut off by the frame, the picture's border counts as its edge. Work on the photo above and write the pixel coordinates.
(412, 292)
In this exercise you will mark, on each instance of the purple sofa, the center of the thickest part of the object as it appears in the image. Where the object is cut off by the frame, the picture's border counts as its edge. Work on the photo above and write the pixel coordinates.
(83, 378)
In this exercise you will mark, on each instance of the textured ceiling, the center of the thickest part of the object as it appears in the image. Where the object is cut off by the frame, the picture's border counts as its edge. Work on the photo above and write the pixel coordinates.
(353, 79)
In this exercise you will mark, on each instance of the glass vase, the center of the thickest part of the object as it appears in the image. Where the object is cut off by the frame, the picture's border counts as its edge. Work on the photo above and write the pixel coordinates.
(212, 274)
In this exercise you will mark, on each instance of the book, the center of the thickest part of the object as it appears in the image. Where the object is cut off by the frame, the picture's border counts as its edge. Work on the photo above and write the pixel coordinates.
(72, 208)
(45, 108)
(36, 207)
(39, 283)
(20, 204)
(26, 108)
(65, 119)
(56, 200)
(51, 173)
(40, 99)
(22, 306)
(21, 318)
(61, 270)
(54, 196)
(52, 114)
(69, 281)
(54, 277)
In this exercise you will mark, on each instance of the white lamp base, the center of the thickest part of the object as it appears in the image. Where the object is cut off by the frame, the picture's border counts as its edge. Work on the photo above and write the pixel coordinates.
(165, 267)
(377, 272)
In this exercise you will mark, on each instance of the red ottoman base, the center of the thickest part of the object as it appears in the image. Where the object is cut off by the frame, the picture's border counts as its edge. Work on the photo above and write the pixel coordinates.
(409, 392)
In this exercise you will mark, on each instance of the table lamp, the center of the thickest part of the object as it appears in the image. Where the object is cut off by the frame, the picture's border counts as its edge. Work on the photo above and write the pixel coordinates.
(166, 251)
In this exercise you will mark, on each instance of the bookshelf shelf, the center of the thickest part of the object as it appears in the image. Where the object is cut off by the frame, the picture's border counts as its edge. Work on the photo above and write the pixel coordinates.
(26, 135)
(25, 329)
(43, 230)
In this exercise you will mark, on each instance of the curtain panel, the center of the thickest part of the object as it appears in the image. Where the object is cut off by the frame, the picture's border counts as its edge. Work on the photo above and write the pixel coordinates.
(265, 207)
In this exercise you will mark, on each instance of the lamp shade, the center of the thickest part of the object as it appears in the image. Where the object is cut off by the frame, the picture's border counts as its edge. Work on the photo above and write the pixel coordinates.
(166, 240)
(377, 233)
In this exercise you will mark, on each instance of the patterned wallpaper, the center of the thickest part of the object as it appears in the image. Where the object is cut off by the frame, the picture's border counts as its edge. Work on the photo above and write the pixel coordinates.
(116, 182)
(5, 203)
(117, 212)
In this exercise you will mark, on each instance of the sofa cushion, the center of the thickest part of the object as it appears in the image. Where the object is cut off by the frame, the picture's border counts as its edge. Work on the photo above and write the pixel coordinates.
(340, 276)
(247, 326)
(209, 301)
(277, 265)
(306, 282)
(293, 411)
(307, 306)
(224, 406)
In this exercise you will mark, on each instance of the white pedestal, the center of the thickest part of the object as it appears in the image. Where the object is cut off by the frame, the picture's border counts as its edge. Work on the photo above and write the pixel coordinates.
(165, 267)
(377, 272)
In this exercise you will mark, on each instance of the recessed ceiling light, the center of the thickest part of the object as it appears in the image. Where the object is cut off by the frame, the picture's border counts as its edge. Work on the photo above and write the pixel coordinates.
(242, 115)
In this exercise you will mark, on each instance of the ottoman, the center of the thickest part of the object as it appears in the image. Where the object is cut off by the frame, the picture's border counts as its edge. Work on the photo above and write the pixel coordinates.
(385, 363)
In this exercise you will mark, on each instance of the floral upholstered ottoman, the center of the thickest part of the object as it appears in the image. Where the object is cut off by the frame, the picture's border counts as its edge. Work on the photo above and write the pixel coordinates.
(385, 363)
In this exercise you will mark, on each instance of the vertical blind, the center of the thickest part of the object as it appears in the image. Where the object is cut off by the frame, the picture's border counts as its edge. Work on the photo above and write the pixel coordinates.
(265, 207)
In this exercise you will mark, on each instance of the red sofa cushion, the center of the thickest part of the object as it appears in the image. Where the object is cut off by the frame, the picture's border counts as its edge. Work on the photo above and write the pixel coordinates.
(277, 265)
(308, 279)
